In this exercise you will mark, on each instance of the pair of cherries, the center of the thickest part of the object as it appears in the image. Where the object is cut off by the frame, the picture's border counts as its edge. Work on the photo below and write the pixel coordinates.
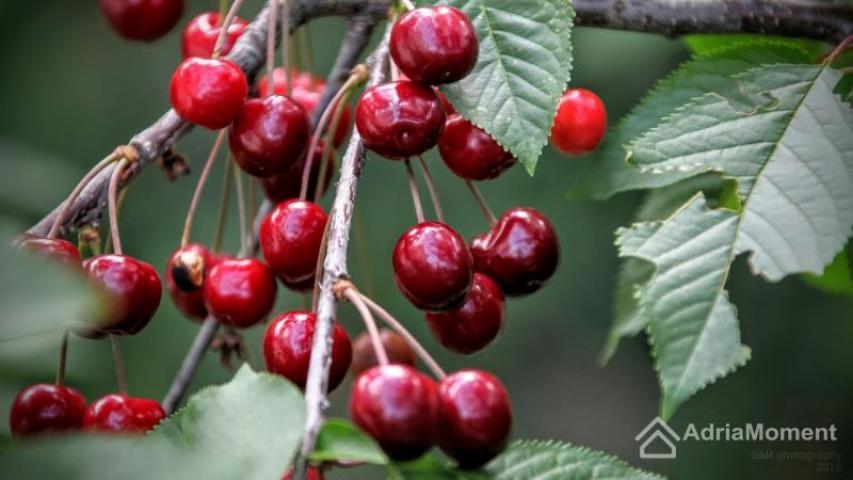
(45, 408)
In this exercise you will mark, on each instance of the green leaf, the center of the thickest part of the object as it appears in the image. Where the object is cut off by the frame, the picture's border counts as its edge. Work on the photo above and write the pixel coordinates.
(522, 70)
(606, 173)
(341, 440)
(430, 468)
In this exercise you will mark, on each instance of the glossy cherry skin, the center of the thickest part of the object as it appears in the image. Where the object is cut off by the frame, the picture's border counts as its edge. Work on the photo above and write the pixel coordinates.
(53, 249)
(433, 266)
(291, 237)
(269, 136)
(208, 92)
(311, 474)
(476, 417)
(185, 273)
(287, 348)
(399, 119)
(287, 185)
(145, 20)
(133, 287)
(580, 123)
(399, 407)
(118, 413)
(470, 152)
(476, 323)
(520, 252)
(434, 45)
(200, 34)
(396, 347)
(239, 292)
(46, 408)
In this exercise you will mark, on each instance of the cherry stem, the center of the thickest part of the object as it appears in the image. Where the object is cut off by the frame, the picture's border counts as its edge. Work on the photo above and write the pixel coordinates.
(285, 48)
(351, 294)
(121, 376)
(413, 188)
(63, 353)
(408, 4)
(318, 270)
(69, 202)
(481, 201)
(305, 33)
(223, 33)
(844, 45)
(222, 215)
(413, 342)
(241, 208)
(199, 187)
(122, 198)
(273, 9)
(112, 209)
(252, 210)
(433, 193)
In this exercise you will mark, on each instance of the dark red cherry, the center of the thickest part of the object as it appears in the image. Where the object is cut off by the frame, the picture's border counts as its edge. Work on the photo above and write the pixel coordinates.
(287, 348)
(399, 119)
(396, 347)
(185, 273)
(476, 323)
(144, 20)
(448, 107)
(520, 252)
(53, 249)
(134, 290)
(399, 407)
(580, 122)
(433, 266)
(434, 45)
(312, 474)
(208, 92)
(239, 292)
(476, 418)
(470, 152)
(46, 408)
(118, 413)
(269, 136)
(287, 185)
(200, 35)
(291, 237)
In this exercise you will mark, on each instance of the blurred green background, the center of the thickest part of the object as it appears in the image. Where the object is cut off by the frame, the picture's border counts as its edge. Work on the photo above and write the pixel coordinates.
(70, 90)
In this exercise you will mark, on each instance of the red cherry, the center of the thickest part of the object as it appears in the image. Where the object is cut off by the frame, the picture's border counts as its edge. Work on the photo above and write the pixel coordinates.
(291, 237)
(200, 35)
(287, 185)
(470, 152)
(434, 45)
(144, 20)
(312, 474)
(475, 417)
(185, 273)
(134, 288)
(580, 122)
(119, 413)
(399, 119)
(399, 408)
(287, 348)
(433, 266)
(396, 347)
(520, 252)
(53, 249)
(269, 136)
(46, 408)
(476, 323)
(208, 92)
(239, 292)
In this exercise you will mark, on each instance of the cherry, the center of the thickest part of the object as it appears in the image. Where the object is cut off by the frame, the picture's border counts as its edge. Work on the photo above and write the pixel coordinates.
(520, 252)
(434, 45)
(134, 288)
(119, 413)
(476, 323)
(399, 407)
(399, 119)
(185, 273)
(45, 408)
(396, 347)
(291, 237)
(287, 185)
(200, 35)
(208, 92)
(312, 474)
(287, 348)
(475, 417)
(269, 135)
(239, 292)
(580, 122)
(433, 266)
(144, 20)
(53, 249)
(470, 152)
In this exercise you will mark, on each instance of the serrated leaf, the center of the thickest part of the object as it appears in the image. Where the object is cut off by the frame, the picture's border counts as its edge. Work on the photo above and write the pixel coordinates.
(703, 44)
(693, 327)
(341, 440)
(523, 68)
(607, 173)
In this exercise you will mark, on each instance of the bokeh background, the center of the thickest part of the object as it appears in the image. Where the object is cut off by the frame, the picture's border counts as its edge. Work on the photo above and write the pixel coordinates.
(70, 90)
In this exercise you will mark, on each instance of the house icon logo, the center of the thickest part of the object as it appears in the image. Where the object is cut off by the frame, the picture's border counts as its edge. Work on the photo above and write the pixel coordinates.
(658, 441)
